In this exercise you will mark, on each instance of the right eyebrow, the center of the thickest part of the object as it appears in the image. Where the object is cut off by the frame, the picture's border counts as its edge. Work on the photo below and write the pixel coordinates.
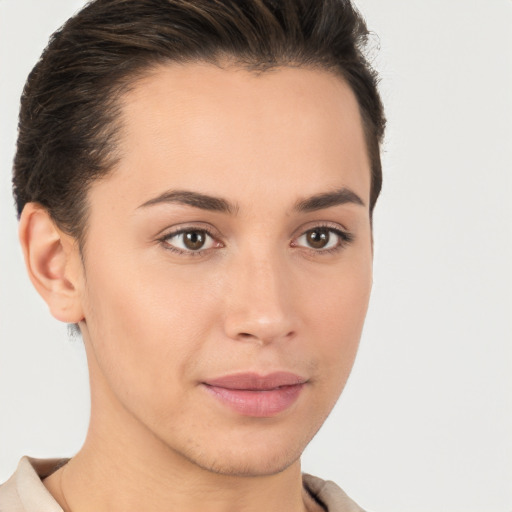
(328, 200)
(195, 199)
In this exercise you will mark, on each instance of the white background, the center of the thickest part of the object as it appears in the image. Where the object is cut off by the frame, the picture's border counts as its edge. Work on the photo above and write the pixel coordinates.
(425, 423)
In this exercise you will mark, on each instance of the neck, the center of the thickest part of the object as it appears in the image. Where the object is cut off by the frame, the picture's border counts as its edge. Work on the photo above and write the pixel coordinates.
(131, 482)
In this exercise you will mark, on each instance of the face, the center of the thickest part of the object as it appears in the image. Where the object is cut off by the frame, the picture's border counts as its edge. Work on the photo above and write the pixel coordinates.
(227, 267)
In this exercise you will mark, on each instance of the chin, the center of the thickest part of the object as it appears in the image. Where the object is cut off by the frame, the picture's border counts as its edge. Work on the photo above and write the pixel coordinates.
(257, 452)
(247, 464)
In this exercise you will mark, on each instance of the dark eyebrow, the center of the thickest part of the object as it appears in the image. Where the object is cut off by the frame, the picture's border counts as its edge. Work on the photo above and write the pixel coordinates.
(195, 199)
(328, 199)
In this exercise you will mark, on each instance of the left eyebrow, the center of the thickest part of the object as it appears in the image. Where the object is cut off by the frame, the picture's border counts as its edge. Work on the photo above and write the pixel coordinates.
(328, 199)
(194, 199)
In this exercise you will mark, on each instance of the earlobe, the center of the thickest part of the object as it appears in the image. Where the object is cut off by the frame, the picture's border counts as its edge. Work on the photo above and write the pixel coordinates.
(52, 261)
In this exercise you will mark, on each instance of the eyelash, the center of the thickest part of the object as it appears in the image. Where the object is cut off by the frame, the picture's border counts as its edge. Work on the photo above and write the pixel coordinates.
(344, 239)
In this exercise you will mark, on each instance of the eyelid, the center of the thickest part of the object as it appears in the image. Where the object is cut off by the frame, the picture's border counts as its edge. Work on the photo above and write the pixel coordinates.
(189, 226)
(318, 224)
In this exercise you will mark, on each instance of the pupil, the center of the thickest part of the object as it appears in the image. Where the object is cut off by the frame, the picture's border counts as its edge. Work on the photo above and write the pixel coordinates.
(318, 238)
(194, 239)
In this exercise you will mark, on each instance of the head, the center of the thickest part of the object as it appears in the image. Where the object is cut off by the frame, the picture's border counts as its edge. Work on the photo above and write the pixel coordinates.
(196, 182)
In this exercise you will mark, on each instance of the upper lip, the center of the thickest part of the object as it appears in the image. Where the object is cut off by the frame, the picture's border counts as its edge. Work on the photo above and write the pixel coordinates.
(256, 382)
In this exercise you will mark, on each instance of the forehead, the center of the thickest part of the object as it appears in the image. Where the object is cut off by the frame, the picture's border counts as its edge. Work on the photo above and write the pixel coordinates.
(231, 131)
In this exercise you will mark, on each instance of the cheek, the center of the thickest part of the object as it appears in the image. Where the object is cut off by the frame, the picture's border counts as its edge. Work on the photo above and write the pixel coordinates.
(144, 324)
(337, 316)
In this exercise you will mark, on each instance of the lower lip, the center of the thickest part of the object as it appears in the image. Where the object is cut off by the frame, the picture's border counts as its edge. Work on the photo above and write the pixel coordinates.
(259, 404)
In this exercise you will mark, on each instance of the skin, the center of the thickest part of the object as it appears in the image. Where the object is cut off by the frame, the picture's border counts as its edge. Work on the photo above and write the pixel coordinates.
(257, 297)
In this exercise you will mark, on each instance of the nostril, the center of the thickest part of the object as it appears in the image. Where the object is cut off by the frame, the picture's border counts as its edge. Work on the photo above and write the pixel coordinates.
(264, 337)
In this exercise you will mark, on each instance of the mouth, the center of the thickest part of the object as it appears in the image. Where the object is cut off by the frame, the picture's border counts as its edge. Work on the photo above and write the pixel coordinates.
(250, 394)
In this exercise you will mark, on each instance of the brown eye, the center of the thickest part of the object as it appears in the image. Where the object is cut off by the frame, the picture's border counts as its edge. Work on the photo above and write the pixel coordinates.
(192, 240)
(323, 239)
(318, 238)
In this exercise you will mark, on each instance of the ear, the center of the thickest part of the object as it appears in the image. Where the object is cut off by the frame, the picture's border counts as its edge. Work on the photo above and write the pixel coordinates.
(53, 263)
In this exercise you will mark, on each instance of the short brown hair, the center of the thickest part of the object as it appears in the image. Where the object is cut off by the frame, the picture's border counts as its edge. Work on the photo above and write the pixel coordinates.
(70, 105)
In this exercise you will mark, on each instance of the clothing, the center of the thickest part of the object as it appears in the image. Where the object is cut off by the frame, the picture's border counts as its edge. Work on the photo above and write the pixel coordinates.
(25, 492)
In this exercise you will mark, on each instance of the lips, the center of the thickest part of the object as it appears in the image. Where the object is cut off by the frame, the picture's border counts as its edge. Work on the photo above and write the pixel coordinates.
(256, 395)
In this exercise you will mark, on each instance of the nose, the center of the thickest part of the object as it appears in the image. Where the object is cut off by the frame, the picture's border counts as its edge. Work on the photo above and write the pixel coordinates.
(259, 301)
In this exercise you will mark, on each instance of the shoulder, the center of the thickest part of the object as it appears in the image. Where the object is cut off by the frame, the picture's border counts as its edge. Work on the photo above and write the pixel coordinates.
(329, 495)
(25, 492)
